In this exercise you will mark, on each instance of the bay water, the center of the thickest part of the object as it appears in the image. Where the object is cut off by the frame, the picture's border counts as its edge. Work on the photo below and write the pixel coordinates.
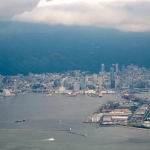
(52, 117)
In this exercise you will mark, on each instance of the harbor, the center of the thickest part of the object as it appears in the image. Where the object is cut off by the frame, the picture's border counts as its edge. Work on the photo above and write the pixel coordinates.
(48, 122)
(133, 112)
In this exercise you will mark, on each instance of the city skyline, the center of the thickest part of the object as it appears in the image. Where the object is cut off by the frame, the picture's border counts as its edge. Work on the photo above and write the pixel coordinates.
(131, 79)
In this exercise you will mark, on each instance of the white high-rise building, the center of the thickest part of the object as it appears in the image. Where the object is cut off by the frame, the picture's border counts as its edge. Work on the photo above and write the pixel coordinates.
(15, 85)
(102, 68)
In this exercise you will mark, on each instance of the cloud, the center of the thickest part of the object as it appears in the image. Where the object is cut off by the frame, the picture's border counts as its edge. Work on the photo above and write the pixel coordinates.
(8, 8)
(124, 15)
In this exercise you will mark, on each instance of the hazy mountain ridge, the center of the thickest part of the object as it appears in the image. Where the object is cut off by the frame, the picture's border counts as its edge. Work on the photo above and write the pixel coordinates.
(41, 48)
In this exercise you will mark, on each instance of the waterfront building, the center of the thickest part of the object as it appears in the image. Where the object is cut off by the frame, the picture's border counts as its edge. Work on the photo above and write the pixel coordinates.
(76, 87)
(69, 85)
(6, 92)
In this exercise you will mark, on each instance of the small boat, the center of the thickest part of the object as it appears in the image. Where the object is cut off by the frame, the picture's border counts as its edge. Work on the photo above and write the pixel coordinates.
(100, 95)
(18, 121)
(51, 139)
(92, 95)
(72, 94)
(50, 94)
(60, 122)
(23, 120)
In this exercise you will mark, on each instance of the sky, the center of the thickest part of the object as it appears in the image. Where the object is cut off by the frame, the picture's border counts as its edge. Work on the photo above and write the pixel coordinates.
(124, 15)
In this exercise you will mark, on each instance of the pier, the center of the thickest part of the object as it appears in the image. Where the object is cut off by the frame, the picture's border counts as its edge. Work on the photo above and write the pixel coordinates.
(77, 134)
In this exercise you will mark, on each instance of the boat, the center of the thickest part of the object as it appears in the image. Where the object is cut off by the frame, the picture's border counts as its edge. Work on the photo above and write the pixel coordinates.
(72, 94)
(50, 94)
(100, 95)
(92, 95)
(60, 122)
(51, 139)
(18, 121)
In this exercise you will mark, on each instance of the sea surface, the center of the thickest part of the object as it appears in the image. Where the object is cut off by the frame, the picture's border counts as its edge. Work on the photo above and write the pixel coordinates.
(51, 117)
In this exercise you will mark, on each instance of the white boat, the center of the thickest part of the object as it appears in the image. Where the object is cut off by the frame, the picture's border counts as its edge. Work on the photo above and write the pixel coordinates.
(60, 122)
(100, 95)
(51, 139)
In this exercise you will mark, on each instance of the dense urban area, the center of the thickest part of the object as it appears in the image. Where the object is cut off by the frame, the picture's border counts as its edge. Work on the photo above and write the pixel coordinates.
(129, 111)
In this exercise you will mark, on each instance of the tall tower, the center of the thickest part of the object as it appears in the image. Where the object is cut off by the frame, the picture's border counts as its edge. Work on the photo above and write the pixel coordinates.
(102, 68)
(112, 77)
(117, 69)
(15, 85)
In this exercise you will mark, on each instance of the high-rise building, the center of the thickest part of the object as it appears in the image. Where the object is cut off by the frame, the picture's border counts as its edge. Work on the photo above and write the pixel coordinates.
(83, 84)
(95, 79)
(112, 84)
(117, 69)
(69, 85)
(112, 77)
(100, 82)
(1, 83)
(76, 87)
(102, 68)
(15, 85)
(123, 69)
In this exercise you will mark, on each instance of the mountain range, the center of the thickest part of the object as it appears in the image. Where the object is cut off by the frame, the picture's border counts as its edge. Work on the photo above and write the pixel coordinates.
(38, 48)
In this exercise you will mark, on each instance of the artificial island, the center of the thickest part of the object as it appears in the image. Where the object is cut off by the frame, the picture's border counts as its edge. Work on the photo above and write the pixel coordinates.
(131, 111)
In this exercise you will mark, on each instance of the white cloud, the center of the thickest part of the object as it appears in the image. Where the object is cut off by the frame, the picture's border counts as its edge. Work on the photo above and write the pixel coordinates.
(124, 15)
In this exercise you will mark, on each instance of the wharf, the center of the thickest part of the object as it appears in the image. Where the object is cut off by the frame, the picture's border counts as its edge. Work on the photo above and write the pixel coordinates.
(77, 133)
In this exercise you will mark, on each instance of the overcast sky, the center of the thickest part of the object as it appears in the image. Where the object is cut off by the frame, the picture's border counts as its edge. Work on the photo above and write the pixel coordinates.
(9, 8)
(125, 15)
